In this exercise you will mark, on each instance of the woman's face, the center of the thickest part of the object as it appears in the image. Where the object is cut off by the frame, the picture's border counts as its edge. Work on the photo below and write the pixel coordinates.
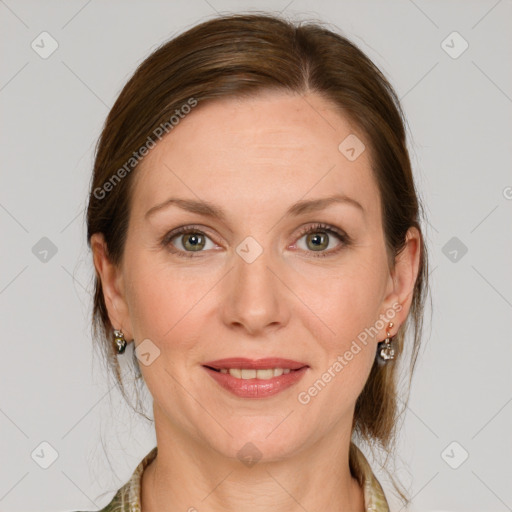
(251, 283)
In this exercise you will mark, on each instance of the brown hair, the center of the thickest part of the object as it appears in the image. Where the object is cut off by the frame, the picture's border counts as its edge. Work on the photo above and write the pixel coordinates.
(239, 55)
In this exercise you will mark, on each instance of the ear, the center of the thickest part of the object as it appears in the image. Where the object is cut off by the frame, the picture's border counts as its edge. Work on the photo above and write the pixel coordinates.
(112, 285)
(402, 280)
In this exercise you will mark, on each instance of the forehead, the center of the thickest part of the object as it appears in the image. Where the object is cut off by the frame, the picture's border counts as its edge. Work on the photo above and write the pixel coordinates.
(254, 152)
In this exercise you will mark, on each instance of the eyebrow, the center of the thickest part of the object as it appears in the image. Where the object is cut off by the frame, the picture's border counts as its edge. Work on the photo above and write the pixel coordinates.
(210, 210)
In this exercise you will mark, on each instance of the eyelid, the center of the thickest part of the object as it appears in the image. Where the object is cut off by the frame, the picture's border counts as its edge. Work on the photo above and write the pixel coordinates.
(321, 226)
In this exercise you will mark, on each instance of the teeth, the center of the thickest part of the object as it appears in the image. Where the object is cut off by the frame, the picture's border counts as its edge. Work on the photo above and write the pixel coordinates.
(256, 374)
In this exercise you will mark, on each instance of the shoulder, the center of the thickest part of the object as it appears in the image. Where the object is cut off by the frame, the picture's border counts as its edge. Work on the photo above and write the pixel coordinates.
(374, 497)
(127, 498)
(117, 504)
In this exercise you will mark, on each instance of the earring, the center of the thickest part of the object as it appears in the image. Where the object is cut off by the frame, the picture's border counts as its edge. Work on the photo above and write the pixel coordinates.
(385, 349)
(120, 342)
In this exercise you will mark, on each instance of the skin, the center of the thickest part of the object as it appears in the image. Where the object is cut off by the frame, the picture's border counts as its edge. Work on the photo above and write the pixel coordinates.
(254, 158)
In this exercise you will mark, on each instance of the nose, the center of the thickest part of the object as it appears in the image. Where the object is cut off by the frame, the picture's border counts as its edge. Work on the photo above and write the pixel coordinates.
(256, 299)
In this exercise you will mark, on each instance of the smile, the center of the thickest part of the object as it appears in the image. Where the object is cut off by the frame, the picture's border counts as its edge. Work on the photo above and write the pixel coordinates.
(251, 383)
(265, 374)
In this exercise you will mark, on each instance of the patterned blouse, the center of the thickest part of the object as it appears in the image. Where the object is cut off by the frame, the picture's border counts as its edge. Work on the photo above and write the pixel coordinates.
(127, 498)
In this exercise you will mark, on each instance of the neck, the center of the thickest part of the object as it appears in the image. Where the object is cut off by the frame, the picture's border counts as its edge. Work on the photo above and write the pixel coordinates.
(191, 476)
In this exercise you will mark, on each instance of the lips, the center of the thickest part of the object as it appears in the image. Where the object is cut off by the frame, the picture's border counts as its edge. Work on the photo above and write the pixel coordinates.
(254, 364)
(253, 387)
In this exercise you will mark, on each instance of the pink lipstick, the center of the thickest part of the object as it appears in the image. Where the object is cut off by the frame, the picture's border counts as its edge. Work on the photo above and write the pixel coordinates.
(261, 378)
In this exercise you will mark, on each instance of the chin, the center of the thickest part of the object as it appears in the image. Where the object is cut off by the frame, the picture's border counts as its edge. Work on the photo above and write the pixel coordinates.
(260, 439)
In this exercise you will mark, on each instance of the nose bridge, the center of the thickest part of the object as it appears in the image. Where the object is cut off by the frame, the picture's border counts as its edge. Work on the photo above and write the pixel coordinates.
(254, 297)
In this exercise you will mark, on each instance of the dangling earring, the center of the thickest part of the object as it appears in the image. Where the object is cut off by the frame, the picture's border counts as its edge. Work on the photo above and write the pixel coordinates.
(120, 342)
(385, 349)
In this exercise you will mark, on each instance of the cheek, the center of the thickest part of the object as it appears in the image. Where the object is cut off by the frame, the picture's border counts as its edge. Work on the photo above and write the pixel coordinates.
(350, 310)
(167, 304)
(155, 296)
(351, 307)
(352, 300)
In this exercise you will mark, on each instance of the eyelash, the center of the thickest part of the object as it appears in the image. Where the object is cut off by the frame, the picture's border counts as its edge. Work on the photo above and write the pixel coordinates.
(317, 227)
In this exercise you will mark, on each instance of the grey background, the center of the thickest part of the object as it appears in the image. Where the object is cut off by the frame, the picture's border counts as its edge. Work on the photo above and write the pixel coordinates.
(459, 110)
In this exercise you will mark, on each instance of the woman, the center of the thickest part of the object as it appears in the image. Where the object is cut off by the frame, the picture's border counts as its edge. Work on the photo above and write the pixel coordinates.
(255, 232)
